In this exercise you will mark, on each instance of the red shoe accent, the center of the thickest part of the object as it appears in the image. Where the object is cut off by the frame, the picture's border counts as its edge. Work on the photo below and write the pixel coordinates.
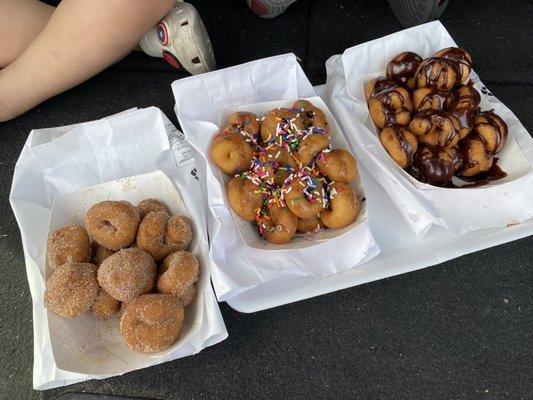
(258, 7)
(169, 58)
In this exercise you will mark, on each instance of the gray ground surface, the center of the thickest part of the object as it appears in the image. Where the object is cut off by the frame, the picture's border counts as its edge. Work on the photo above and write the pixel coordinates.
(459, 330)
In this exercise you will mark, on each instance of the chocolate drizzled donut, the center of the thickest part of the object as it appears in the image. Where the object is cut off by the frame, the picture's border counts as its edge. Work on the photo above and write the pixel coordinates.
(400, 143)
(424, 98)
(388, 103)
(438, 72)
(433, 165)
(475, 158)
(462, 58)
(402, 68)
(435, 128)
(492, 130)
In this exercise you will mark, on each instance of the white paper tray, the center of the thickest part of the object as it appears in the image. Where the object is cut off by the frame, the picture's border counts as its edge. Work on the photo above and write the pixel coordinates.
(401, 251)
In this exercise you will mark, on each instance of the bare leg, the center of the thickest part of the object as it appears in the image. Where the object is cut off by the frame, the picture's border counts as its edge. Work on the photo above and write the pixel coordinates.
(81, 39)
(20, 22)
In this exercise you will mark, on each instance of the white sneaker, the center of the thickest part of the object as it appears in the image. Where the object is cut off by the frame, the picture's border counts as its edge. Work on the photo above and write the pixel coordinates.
(182, 40)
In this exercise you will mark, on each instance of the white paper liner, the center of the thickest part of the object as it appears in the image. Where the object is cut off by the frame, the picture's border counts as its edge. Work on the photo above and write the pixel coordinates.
(58, 161)
(237, 266)
(498, 204)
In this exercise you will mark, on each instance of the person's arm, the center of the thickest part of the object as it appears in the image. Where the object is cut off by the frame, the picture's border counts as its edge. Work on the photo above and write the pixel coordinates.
(82, 38)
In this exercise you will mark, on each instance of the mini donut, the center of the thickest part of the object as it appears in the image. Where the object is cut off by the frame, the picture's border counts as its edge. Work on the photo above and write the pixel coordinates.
(435, 128)
(466, 103)
(462, 58)
(178, 276)
(279, 224)
(337, 165)
(400, 143)
(274, 164)
(492, 129)
(100, 253)
(434, 165)
(455, 156)
(71, 289)
(179, 231)
(475, 156)
(160, 234)
(304, 196)
(104, 305)
(281, 121)
(310, 146)
(245, 197)
(230, 151)
(245, 121)
(344, 207)
(467, 90)
(309, 225)
(316, 119)
(113, 224)
(388, 103)
(68, 244)
(146, 206)
(127, 274)
(424, 98)
(402, 69)
(437, 72)
(152, 322)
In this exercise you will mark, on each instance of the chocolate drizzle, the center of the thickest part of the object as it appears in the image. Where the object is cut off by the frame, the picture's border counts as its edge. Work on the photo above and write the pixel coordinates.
(384, 90)
(499, 126)
(404, 144)
(402, 68)
(460, 57)
(435, 68)
(433, 165)
(435, 123)
(442, 96)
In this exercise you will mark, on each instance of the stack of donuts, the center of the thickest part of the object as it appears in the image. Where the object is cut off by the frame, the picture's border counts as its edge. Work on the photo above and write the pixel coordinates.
(117, 273)
(285, 176)
(430, 120)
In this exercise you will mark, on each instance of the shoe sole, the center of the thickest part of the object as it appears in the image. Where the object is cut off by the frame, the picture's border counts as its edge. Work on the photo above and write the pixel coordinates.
(415, 12)
(190, 41)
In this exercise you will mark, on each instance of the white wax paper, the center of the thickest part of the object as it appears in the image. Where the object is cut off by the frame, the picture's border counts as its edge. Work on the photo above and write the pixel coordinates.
(238, 266)
(58, 163)
(498, 204)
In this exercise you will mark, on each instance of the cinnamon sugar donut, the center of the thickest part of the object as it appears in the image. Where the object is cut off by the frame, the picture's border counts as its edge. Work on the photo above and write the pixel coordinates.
(146, 206)
(113, 224)
(100, 253)
(104, 305)
(178, 276)
(152, 322)
(68, 244)
(71, 289)
(160, 234)
(127, 274)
